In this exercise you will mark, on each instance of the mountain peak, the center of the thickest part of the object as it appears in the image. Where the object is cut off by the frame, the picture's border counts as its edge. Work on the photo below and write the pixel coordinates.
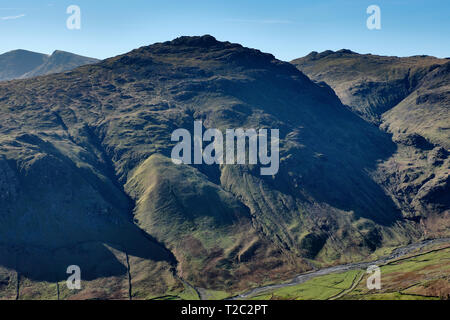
(15, 63)
(201, 51)
(61, 52)
(204, 41)
(23, 51)
(319, 55)
(346, 51)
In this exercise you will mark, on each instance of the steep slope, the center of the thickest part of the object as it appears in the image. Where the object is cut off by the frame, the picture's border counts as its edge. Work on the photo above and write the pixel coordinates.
(426, 111)
(88, 151)
(20, 64)
(410, 99)
(420, 125)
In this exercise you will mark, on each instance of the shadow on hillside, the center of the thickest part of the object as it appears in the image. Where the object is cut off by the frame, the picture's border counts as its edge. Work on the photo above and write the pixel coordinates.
(62, 216)
(95, 259)
(330, 151)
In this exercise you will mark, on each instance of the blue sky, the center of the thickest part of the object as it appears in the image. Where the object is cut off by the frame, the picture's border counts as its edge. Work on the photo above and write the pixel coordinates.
(288, 29)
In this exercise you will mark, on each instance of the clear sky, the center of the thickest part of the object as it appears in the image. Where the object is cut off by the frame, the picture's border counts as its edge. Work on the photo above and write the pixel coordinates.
(286, 28)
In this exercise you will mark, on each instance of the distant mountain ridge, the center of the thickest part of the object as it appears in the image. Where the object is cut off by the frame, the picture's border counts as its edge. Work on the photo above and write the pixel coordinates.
(21, 64)
(369, 84)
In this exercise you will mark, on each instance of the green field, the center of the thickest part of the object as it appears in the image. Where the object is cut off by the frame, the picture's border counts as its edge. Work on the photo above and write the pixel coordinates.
(422, 276)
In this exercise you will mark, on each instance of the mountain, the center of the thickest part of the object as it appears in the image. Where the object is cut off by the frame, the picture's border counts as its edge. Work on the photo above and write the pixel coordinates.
(59, 61)
(86, 177)
(19, 64)
(408, 98)
(369, 84)
(16, 63)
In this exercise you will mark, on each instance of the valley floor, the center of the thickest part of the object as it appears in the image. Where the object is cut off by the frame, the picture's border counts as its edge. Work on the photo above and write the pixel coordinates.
(419, 271)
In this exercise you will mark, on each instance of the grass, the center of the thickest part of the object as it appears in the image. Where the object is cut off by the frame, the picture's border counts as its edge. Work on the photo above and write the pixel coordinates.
(188, 294)
(423, 276)
(320, 288)
(396, 296)
(215, 294)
